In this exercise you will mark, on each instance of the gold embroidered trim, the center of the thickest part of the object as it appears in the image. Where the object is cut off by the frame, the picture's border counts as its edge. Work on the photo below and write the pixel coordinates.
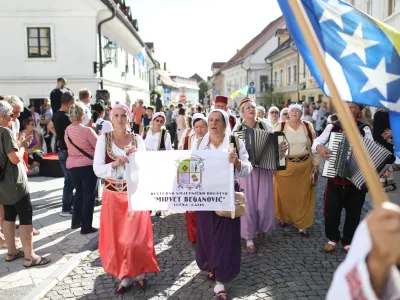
(109, 142)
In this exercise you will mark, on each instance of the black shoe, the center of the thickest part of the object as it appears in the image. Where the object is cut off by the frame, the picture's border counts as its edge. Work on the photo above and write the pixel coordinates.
(75, 226)
(98, 202)
(91, 230)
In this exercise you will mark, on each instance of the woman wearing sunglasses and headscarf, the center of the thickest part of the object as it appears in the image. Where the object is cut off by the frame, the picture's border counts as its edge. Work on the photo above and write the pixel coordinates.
(218, 238)
(156, 137)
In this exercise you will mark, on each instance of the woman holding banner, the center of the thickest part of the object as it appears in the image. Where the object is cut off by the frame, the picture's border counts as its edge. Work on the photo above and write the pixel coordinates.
(258, 188)
(156, 137)
(199, 126)
(218, 238)
(126, 244)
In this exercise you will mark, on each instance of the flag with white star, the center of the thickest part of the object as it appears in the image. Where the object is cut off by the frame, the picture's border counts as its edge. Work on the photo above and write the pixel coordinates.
(362, 54)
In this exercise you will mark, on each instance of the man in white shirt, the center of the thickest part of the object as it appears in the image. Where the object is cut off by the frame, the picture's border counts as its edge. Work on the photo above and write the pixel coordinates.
(341, 193)
(84, 97)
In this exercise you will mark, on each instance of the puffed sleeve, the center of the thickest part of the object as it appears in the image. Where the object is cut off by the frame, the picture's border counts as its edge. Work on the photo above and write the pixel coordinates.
(101, 169)
(168, 145)
(244, 159)
(140, 143)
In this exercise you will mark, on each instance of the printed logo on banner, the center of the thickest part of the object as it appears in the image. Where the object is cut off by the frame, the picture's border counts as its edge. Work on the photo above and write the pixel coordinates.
(190, 172)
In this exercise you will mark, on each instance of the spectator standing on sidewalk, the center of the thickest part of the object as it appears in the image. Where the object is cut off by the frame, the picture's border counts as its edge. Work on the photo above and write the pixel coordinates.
(45, 118)
(61, 121)
(81, 142)
(138, 112)
(84, 98)
(56, 94)
(14, 193)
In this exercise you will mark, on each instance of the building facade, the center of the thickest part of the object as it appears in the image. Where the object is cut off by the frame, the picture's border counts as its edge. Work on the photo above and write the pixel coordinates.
(52, 39)
(248, 67)
(215, 83)
(188, 90)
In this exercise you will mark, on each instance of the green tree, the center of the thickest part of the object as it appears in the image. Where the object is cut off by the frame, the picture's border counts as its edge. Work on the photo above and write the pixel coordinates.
(203, 91)
(270, 99)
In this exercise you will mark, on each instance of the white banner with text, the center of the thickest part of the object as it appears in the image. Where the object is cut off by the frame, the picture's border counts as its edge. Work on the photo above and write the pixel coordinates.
(180, 180)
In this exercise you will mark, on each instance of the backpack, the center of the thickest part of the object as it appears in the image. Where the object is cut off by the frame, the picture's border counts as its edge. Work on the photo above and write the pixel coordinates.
(99, 127)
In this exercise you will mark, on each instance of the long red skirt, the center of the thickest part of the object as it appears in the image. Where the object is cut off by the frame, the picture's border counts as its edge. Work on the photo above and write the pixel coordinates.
(126, 246)
(191, 226)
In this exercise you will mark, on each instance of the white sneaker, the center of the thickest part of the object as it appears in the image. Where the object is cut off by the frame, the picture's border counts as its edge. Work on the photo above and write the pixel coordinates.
(66, 214)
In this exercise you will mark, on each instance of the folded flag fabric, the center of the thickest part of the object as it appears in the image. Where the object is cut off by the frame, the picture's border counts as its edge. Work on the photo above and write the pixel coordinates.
(362, 54)
(242, 91)
(141, 57)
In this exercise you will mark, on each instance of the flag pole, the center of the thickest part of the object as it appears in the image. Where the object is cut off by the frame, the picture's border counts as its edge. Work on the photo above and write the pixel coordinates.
(346, 118)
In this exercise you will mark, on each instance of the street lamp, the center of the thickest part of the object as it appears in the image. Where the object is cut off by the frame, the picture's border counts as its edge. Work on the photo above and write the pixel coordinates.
(108, 51)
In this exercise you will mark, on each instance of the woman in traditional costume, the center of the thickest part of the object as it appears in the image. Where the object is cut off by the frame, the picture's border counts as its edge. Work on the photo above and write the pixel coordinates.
(126, 245)
(218, 238)
(156, 137)
(296, 207)
(187, 135)
(199, 126)
(284, 115)
(258, 187)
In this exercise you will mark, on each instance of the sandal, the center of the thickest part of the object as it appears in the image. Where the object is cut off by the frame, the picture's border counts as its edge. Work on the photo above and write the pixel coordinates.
(35, 232)
(19, 254)
(122, 289)
(39, 261)
(210, 276)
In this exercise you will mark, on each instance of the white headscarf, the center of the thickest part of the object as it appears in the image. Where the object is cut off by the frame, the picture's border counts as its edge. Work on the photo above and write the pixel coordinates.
(295, 106)
(198, 116)
(269, 116)
(206, 139)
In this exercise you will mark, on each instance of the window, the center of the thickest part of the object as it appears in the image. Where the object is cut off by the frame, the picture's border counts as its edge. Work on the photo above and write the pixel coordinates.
(39, 42)
(369, 7)
(37, 102)
(264, 83)
(304, 69)
(320, 97)
(281, 78)
(116, 57)
(134, 66)
(126, 63)
(294, 73)
(276, 78)
(289, 75)
(391, 7)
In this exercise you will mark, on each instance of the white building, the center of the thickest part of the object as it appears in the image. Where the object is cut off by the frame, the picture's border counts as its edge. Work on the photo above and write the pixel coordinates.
(387, 11)
(47, 39)
(188, 90)
(248, 64)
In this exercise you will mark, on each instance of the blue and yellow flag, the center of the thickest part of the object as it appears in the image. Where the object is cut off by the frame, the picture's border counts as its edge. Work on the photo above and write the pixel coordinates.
(362, 54)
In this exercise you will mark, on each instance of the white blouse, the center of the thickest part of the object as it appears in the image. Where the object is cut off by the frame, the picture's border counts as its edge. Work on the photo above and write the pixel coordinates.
(297, 139)
(151, 141)
(100, 167)
(246, 168)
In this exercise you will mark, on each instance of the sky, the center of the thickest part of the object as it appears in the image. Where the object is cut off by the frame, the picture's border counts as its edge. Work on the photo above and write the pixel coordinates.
(189, 35)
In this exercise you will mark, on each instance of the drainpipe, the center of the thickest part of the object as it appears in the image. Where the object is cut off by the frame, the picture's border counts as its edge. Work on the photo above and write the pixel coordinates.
(247, 77)
(150, 80)
(101, 46)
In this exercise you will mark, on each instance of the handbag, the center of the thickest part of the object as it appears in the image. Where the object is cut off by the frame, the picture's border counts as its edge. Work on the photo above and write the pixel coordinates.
(79, 149)
(240, 207)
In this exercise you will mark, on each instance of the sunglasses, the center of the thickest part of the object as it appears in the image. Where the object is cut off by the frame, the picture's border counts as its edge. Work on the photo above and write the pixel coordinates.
(285, 114)
(159, 121)
(273, 112)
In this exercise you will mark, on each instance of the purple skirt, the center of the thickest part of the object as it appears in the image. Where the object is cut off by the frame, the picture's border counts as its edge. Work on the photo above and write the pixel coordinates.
(218, 245)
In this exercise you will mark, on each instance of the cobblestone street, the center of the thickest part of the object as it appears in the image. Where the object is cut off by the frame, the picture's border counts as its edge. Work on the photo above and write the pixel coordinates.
(284, 267)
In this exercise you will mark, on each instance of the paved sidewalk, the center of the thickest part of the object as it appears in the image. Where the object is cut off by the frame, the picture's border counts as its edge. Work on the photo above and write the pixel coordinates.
(55, 237)
(284, 267)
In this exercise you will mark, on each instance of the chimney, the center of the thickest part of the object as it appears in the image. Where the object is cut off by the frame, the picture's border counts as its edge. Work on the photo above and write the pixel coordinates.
(165, 66)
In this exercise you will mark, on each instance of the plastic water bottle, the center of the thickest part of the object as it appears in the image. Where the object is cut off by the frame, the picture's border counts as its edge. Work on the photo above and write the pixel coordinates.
(120, 178)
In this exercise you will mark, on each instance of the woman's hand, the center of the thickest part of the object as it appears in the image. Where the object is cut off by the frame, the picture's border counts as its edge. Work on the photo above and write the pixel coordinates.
(130, 149)
(315, 170)
(234, 159)
(284, 147)
(120, 161)
(384, 229)
(323, 152)
(387, 134)
(25, 141)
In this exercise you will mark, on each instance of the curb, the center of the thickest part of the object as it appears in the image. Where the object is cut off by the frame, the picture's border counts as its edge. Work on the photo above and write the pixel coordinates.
(58, 275)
